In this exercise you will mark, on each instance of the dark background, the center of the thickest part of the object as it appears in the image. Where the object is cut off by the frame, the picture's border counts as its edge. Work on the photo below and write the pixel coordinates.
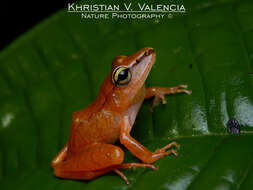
(19, 16)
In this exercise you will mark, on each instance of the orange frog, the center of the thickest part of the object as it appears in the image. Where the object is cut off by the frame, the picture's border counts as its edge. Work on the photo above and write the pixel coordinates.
(90, 152)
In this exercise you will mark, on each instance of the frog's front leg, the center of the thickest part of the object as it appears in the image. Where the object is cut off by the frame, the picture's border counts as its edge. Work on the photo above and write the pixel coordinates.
(159, 93)
(138, 149)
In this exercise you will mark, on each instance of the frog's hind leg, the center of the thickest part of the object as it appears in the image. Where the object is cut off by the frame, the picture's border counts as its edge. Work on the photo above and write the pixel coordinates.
(122, 175)
(135, 165)
(89, 162)
(132, 166)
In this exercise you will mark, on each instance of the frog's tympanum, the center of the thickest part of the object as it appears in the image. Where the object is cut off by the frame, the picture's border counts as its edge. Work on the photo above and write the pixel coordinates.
(90, 152)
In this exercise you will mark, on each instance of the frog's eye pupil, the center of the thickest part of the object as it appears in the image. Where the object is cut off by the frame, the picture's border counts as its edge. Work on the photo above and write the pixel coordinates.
(121, 76)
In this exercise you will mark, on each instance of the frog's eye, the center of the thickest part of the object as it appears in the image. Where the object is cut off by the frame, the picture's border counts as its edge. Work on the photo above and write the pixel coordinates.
(121, 76)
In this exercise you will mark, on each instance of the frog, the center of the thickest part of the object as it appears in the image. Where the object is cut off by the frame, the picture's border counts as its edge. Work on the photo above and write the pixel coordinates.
(91, 151)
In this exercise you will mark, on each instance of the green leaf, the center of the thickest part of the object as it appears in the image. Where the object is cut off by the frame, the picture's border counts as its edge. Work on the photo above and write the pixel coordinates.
(57, 68)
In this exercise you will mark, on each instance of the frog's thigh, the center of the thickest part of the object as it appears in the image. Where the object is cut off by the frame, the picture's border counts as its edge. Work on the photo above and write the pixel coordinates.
(91, 161)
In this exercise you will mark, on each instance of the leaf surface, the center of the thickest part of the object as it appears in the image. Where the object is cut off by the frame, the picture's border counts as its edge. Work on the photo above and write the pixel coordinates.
(57, 68)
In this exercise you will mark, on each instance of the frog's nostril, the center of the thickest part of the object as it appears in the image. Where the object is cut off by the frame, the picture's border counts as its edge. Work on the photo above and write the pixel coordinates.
(149, 52)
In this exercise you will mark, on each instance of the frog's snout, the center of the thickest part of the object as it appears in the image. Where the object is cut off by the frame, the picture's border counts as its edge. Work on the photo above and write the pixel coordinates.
(149, 52)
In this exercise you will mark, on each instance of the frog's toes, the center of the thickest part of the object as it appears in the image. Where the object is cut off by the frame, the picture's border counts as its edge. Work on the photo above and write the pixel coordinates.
(183, 86)
(189, 92)
(174, 152)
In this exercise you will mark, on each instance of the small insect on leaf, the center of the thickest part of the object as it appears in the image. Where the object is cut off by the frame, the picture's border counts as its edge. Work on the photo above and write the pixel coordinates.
(233, 126)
